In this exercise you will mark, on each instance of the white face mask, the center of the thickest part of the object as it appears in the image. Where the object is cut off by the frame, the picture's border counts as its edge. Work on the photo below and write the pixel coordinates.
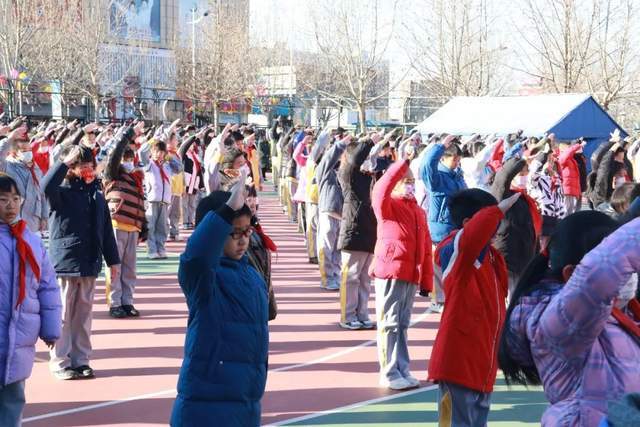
(409, 190)
(627, 292)
(619, 181)
(128, 166)
(520, 181)
(246, 168)
(25, 156)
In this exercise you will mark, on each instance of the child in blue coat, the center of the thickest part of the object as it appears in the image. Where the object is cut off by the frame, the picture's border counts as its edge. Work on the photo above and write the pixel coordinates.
(224, 372)
(29, 302)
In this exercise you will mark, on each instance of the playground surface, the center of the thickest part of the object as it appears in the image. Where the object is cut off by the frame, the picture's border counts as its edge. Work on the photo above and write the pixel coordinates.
(319, 374)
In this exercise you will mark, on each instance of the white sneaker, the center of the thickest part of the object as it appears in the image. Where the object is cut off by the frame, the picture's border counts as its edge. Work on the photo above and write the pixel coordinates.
(436, 307)
(412, 380)
(397, 384)
(353, 325)
(162, 255)
(153, 256)
(368, 324)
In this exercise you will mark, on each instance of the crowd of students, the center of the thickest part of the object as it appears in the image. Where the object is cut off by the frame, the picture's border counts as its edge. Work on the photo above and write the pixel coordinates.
(491, 228)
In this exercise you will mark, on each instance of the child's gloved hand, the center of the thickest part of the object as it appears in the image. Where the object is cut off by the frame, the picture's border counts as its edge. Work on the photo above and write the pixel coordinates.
(425, 294)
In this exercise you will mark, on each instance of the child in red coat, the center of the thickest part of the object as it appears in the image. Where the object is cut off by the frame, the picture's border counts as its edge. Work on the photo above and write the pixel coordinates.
(402, 263)
(464, 357)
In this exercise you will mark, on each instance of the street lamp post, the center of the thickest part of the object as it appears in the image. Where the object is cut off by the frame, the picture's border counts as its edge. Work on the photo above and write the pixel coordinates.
(194, 21)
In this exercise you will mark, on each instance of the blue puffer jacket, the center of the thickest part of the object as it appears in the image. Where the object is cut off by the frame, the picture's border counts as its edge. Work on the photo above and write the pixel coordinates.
(80, 227)
(39, 315)
(441, 183)
(224, 371)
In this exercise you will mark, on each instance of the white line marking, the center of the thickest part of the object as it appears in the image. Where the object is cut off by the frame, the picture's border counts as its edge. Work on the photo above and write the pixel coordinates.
(352, 406)
(98, 405)
(343, 352)
(164, 392)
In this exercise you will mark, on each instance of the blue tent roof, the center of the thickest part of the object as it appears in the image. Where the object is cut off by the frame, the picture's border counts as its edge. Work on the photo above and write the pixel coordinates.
(569, 116)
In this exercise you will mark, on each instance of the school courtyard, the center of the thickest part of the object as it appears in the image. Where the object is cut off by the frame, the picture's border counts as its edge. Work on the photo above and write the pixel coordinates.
(319, 374)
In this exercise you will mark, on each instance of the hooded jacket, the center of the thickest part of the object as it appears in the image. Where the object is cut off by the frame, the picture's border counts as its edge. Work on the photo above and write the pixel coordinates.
(441, 183)
(224, 372)
(358, 225)
(583, 355)
(403, 245)
(39, 314)
(475, 285)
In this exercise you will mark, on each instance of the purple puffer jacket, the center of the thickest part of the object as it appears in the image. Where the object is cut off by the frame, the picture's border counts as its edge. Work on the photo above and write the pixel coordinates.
(39, 315)
(583, 355)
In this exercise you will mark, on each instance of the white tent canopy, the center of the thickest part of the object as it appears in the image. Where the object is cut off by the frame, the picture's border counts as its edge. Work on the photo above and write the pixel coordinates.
(535, 115)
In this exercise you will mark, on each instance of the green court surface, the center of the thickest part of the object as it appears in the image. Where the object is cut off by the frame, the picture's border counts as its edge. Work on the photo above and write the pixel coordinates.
(148, 266)
(509, 407)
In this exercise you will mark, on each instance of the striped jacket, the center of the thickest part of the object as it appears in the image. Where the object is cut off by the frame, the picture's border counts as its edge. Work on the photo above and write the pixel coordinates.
(549, 195)
(125, 198)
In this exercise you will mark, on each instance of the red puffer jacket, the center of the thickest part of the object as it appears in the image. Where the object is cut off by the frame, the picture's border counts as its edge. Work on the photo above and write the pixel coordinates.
(475, 286)
(570, 171)
(403, 247)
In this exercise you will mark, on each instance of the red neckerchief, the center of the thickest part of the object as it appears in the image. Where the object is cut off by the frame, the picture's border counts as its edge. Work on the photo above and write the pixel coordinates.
(627, 323)
(138, 177)
(165, 178)
(268, 243)
(33, 174)
(536, 218)
(193, 155)
(25, 253)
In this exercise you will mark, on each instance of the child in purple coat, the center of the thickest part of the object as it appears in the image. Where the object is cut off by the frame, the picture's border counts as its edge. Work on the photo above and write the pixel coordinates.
(29, 302)
(573, 322)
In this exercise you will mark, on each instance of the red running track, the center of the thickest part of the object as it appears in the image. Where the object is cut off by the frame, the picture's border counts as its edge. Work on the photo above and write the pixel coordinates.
(314, 365)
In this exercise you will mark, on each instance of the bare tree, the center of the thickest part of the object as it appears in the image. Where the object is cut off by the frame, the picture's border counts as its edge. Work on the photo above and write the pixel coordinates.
(581, 46)
(352, 40)
(454, 49)
(27, 34)
(92, 60)
(222, 67)
(560, 35)
(616, 53)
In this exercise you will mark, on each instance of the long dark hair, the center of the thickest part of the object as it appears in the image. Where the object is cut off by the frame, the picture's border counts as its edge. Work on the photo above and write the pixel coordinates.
(573, 238)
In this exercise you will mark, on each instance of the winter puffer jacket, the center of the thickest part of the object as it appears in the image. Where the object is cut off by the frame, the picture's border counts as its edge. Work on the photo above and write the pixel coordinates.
(441, 183)
(475, 284)
(583, 355)
(39, 315)
(224, 372)
(358, 225)
(403, 246)
(516, 238)
(570, 171)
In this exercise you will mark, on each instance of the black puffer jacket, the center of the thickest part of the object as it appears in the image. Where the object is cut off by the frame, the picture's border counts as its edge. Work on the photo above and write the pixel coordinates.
(358, 225)
(516, 237)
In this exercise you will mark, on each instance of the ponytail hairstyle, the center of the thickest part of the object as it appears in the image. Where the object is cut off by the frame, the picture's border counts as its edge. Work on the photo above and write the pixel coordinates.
(573, 238)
